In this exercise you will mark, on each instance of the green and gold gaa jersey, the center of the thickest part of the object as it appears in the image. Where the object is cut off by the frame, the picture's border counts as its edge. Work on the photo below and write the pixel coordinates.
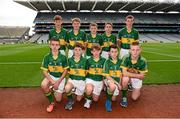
(128, 38)
(108, 41)
(77, 69)
(113, 69)
(73, 38)
(91, 41)
(62, 36)
(140, 65)
(55, 66)
(95, 68)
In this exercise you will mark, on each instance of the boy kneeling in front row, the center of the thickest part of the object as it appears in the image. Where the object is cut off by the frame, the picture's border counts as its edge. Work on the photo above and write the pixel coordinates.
(77, 73)
(54, 68)
(94, 78)
(113, 74)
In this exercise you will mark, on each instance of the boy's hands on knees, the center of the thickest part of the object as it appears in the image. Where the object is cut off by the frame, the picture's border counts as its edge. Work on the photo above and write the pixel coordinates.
(141, 76)
(56, 85)
(52, 81)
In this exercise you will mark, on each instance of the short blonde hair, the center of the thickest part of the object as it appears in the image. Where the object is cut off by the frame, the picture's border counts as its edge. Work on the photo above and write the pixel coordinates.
(76, 20)
(108, 23)
(93, 24)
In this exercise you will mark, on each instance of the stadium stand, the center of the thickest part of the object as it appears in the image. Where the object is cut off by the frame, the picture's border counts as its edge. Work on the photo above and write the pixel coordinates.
(145, 39)
(11, 34)
(34, 38)
(152, 20)
(101, 17)
(160, 39)
(171, 37)
(144, 23)
(43, 39)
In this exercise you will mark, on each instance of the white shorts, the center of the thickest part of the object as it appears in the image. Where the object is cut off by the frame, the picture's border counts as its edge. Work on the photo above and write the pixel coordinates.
(98, 85)
(70, 53)
(62, 52)
(61, 85)
(123, 52)
(136, 83)
(116, 92)
(87, 57)
(79, 86)
(105, 54)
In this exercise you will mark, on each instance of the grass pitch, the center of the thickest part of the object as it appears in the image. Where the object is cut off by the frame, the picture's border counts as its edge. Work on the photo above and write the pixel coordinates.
(20, 64)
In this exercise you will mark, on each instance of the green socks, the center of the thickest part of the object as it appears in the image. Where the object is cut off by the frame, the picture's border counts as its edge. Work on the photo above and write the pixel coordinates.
(69, 95)
(50, 97)
(124, 92)
(109, 95)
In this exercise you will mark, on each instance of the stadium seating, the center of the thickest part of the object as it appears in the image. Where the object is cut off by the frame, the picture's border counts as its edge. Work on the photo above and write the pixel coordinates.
(34, 38)
(87, 17)
(43, 39)
(144, 23)
(13, 34)
(159, 38)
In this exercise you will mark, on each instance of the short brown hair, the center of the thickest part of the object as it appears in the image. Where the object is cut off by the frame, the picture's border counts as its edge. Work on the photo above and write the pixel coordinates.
(76, 20)
(93, 24)
(113, 47)
(96, 47)
(108, 23)
(57, 17)
(130, 17)
(79, 45)
(54, 39)
(135, 44)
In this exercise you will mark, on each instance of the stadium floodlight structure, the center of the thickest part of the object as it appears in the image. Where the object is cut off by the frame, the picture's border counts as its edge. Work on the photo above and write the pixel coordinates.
(103, 5)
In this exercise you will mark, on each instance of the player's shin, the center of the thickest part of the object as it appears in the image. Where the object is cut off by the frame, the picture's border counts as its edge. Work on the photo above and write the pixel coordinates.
(109, 94)
(49, 95)
(69, 95)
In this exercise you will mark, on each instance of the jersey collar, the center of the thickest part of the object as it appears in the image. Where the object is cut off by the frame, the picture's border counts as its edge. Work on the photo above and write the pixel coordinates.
(55, 58)
(132, 61)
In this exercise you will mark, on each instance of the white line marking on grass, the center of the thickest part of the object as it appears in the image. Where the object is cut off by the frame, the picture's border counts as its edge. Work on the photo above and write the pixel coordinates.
(20, 62)
(161, 54)
(9, 63)
(163, 60)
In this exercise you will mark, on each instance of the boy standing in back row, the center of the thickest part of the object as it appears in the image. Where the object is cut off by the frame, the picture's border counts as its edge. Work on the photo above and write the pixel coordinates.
(93, 38)
(127, 36)
(75, 35)
(59, 33)
(108, 39)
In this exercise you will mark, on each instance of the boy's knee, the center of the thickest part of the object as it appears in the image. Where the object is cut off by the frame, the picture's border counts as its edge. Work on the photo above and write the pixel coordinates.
(135, 94)
(78, 98)
(58, 97)
(95, 99)
(45, 85)
(134, 98)
(89, 90)
(112, 87)
(125, 81)
(67, 88)
(113, 98)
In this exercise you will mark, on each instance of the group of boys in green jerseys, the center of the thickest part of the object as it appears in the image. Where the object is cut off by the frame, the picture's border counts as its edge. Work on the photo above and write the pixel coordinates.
(92, 61)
